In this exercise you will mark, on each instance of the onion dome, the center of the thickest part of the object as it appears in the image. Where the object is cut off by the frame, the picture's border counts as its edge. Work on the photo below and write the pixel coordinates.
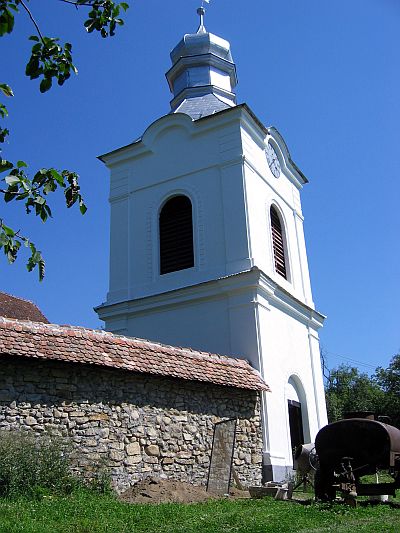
(203, 75)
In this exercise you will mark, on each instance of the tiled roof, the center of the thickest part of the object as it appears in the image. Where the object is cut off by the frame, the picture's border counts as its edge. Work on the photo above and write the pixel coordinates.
(14, 307)
(94, 347)
(202, 106)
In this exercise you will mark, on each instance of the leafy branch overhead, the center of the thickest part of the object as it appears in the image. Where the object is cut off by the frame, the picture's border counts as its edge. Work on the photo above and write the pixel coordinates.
(49, 61)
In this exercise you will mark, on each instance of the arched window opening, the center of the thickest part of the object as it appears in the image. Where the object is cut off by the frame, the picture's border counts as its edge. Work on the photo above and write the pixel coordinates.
(278, 243)
(176, 235)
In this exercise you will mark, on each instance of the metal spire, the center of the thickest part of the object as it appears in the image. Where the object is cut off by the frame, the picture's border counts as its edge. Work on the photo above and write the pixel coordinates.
(203, 75)
(201, 12)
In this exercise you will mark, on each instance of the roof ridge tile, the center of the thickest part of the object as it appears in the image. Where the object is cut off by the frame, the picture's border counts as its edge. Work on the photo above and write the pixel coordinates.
(87, 346)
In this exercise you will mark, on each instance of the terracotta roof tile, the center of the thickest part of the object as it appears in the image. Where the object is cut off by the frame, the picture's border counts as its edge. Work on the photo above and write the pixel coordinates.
(14, 307)
(86, 346)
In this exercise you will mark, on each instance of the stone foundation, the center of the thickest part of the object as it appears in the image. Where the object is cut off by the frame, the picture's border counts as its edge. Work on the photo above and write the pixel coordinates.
(132, 424)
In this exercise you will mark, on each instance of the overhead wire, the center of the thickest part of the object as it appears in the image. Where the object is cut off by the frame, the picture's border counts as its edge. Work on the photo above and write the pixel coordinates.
(350, 360)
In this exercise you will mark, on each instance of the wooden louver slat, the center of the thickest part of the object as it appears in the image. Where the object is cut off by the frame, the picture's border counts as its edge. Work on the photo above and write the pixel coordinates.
(176, 235)
(277, 243)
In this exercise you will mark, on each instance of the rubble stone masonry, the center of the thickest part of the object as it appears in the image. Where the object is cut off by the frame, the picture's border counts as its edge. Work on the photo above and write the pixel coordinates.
(132, 424)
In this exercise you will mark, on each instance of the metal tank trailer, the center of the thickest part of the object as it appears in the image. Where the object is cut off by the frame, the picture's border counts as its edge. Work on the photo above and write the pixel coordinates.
(347, 450)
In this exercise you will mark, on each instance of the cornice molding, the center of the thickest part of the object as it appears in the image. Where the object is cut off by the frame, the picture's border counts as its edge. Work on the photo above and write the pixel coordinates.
(254, 281)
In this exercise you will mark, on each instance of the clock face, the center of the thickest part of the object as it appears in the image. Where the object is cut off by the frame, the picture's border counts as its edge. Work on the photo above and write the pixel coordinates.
(273, 161)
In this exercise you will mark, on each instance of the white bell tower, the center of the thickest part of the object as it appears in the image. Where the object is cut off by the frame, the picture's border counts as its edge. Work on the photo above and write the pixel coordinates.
(207, 243)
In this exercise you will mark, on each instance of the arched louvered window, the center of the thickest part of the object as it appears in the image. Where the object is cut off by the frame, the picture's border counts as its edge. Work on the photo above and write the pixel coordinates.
(176, 235)
(278, 243)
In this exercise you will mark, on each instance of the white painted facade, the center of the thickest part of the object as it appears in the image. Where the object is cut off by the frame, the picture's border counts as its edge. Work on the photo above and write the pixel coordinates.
(232, 301)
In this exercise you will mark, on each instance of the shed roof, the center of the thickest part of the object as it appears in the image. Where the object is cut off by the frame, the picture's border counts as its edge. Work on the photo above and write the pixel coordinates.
(14, 307)
(94, 347)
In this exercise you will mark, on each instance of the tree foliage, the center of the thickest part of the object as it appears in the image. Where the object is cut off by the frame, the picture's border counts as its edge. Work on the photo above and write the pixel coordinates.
(49, 61)
(349, 390)
(389, 381)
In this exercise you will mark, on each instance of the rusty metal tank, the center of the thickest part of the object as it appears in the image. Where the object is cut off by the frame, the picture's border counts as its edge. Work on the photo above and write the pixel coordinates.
(370, 444)
(352, 448)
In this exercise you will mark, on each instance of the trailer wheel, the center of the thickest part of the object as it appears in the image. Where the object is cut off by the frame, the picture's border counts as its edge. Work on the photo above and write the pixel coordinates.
(323, 485)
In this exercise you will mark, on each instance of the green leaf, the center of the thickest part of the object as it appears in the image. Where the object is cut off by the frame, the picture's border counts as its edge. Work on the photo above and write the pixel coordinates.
(21, 164)
(6, 22)
(3, 134)
(57, 176)
(12, 180)
(33, 69)
(8, 231)
(8, 197)
(36, 48)
(45, 85)
(124, 6)
(41, 267)
(5, 165)
(36, 259)
(6, 89)
(3, 111)
(49, 187)
(12, 255)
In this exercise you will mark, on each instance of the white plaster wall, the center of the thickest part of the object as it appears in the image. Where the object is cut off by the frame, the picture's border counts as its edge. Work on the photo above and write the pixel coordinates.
(200, 325)
(286, 353)
(220, 319)
(263, 190)
(223, 169)
(119, 253)
(168, 164)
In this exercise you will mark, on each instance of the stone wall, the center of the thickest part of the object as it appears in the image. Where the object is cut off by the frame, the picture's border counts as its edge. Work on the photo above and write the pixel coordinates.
(133, 424)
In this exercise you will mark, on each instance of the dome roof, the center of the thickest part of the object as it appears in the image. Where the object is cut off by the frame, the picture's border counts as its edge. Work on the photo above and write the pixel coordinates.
(202, 42)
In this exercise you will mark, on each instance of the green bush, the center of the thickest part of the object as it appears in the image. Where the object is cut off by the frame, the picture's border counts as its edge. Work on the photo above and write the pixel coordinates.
(33, 466)
(100, 481)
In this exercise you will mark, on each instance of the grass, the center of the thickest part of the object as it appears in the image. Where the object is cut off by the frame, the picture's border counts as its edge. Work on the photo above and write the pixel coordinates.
(88, 512)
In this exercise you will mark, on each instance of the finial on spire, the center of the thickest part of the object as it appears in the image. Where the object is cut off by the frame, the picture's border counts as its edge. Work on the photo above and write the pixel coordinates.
(201, 12)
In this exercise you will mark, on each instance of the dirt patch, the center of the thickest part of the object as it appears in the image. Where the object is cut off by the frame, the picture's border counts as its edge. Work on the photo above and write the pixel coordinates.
(152, 490)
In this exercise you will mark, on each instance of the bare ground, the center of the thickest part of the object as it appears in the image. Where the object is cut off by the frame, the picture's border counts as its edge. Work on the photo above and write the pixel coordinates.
(154, 490)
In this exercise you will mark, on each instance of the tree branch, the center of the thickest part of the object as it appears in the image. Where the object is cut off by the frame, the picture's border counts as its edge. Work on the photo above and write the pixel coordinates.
(33, 189)
(33, 20)
(76, 3)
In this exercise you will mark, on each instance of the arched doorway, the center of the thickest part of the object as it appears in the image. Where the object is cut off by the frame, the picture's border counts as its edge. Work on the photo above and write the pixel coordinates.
(297, 413)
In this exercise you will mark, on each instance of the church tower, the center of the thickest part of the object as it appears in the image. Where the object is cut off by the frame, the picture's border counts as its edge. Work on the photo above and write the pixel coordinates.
(207, 243)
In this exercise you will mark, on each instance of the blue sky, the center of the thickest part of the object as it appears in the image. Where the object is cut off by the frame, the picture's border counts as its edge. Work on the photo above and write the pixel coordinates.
(325, 73)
